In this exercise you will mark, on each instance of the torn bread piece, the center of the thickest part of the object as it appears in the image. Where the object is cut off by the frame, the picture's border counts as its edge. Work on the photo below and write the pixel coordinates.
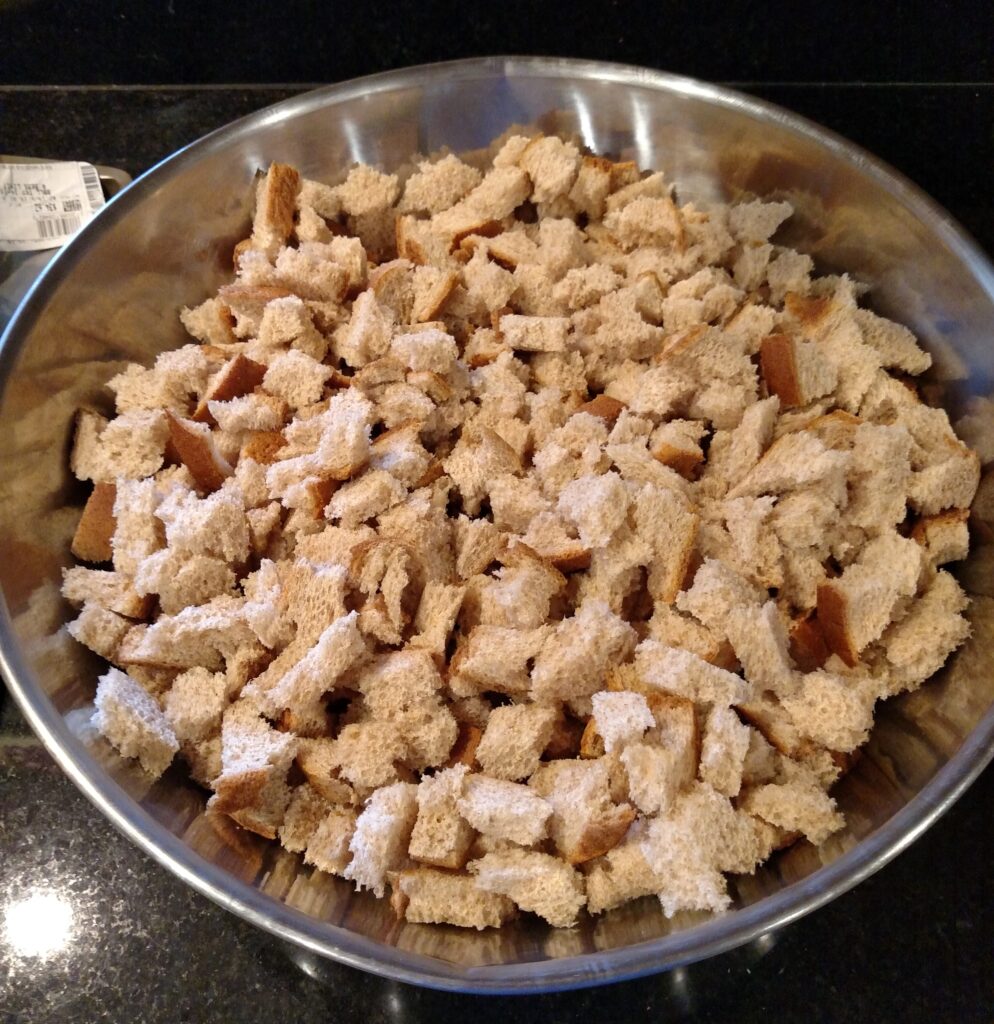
(854, 609)
(514, 740)
(621, 875)
(833, 710)
(533, 333)
(723, 751)
(441, 836)
(437, 185)
(574, 658)
(586, 822)
(504, 810)
(731, 606)
(429, 896)
(132, 445)
(620, 718)
(677, 444)
(255, 758)
(133, 723)
(495, 659)
(382, 833)
(305, 812)
(105, 589)
(533, 881)
(798, 805)
(918, 645)
(329, 846)
(945, 536)
(195, 703)
(690, 847)
(480, 457)
(238, 377)
(683, 673)
(100, 629)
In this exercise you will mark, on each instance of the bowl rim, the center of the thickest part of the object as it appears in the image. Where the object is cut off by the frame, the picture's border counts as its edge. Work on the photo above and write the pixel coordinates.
(709, 938)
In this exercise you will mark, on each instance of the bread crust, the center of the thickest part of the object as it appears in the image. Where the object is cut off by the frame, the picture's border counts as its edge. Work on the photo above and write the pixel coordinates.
(604, 407)
(198, 454)
(808, 648)
(240, 376)
(833, 620)
(279, 199)
(92, 540)
(779, 368)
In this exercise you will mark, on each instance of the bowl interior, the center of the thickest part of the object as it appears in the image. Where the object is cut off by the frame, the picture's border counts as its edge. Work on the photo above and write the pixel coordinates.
(113, 296)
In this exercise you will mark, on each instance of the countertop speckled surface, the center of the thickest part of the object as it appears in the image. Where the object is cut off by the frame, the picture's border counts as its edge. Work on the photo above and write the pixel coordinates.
(913, 943)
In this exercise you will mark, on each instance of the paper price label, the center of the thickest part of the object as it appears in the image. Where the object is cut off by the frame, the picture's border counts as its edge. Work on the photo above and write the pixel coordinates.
(43, 205)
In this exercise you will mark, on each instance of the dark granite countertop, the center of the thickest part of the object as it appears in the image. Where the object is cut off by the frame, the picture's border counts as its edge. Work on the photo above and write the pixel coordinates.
(913, 943)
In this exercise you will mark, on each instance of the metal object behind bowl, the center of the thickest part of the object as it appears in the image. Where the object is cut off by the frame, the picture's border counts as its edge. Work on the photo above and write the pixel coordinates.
(112, 295)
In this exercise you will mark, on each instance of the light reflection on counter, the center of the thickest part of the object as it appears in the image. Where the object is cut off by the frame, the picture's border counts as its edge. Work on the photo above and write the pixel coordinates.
(39, 924)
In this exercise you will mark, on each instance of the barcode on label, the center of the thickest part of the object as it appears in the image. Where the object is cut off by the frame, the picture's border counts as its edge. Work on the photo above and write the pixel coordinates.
(56, 227)
(94, 192)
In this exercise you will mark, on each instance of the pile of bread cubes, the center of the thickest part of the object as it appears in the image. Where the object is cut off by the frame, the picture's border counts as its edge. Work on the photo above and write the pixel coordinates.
(512, 538)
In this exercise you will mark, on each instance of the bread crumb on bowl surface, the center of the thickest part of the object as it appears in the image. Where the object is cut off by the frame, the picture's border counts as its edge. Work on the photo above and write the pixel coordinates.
(519, 539)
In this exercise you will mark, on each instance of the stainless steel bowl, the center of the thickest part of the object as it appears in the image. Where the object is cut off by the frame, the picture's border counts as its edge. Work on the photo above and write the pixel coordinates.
(113, 294)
